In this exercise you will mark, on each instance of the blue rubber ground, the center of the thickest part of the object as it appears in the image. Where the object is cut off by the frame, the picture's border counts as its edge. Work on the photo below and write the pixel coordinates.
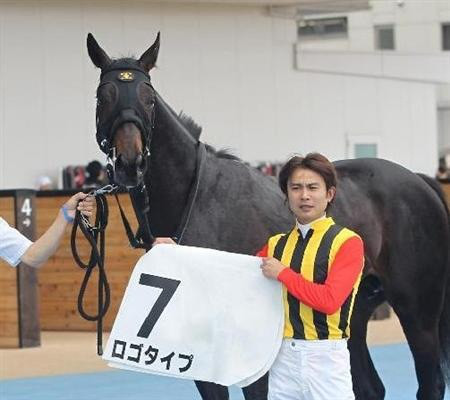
(393, 362)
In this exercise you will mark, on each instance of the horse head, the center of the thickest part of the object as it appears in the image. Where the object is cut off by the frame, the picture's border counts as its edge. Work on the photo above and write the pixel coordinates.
(125, 111)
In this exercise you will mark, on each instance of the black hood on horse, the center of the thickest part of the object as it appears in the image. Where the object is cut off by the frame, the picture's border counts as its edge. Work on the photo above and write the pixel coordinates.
(125, 104)
(125, 85)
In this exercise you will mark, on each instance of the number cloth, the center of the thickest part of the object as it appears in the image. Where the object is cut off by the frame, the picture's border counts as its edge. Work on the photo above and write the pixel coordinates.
(198, 314)
(13, 244)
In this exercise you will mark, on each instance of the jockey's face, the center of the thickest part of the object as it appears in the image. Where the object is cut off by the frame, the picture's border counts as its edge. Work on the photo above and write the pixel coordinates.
(308, 195)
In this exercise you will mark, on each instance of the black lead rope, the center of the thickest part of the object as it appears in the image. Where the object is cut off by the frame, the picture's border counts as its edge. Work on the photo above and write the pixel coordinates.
(192, 197)
(95, 235)
(143, 239)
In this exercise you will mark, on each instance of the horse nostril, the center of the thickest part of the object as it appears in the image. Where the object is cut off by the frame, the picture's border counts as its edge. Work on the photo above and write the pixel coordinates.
(121, 161)
(139, 161)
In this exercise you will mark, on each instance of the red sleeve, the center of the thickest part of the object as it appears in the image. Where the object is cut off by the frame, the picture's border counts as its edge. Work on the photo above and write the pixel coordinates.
(263, 252)
(329, 296)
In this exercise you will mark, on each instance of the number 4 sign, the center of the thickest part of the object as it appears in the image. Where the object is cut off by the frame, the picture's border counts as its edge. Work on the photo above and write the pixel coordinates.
(198, 314)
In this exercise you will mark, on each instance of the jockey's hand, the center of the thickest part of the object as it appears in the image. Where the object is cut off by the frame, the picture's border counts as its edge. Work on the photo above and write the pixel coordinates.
(271, 267)
(162, 240)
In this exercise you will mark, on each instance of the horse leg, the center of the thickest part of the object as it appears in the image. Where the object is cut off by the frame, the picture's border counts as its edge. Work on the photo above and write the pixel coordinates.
(212, 391)
(257, 390)
(367, 384)
(417, 296)
(423, 340)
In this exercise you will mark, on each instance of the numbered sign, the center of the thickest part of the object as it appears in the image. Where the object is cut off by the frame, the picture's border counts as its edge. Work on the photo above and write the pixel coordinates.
(198, 314)
(26, 207)
(25, 213)
(29, 329)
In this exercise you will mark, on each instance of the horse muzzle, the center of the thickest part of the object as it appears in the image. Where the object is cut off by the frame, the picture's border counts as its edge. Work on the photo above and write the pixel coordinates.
(130, 173)
(128, 158)
(128, 116)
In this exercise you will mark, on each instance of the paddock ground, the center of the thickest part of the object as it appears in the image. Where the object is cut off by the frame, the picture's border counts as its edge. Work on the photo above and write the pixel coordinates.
(75, 352)
(66, 367)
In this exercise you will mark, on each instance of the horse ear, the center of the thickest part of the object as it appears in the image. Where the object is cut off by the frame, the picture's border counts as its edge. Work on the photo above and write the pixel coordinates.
(96, 53)
(148, 59)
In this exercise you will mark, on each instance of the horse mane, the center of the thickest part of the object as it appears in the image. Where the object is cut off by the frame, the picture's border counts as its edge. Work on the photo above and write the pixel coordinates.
(195, 130)
(224, 153)
(188, 122)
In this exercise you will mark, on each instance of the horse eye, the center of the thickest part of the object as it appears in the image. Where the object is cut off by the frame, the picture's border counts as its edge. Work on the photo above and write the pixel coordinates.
(106, 94)
(102, 97)
(145, 95)
(148, 101)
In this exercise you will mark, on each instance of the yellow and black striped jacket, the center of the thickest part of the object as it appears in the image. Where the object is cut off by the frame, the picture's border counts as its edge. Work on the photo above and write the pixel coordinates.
(320, 286)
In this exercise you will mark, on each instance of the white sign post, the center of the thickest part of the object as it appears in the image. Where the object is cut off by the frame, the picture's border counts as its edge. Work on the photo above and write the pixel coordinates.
(198, 314)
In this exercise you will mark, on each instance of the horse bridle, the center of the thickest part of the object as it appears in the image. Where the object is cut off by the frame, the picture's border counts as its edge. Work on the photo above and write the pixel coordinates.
(126, 80)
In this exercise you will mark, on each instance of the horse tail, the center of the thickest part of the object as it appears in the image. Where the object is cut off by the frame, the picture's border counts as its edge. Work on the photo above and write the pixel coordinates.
(444, 329)
(444, 322)
(434, 184)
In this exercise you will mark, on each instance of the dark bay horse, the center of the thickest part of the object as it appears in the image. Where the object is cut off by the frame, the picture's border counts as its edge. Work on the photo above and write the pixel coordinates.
(401, 216)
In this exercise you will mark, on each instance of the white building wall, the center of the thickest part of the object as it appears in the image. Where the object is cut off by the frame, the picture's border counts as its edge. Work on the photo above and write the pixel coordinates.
(444, 129)
(230, 67)
(391, 101)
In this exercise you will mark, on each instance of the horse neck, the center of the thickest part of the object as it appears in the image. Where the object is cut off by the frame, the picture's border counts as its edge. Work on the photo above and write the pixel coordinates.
(171, 172)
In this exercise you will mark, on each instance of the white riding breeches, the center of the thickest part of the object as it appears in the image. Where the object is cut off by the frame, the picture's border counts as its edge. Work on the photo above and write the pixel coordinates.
(311, 370)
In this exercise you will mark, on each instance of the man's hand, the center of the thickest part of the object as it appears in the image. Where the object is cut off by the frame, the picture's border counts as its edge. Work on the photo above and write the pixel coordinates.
(80, 201)
(161, 240)
(271, 267)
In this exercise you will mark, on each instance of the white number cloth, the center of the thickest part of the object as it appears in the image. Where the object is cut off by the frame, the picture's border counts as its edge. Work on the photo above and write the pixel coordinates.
(198, 314)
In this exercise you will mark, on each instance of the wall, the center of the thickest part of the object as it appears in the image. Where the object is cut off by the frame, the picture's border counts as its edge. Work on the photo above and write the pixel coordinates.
(230, 67)
(9, 308)
(416, 22)
(60, 279)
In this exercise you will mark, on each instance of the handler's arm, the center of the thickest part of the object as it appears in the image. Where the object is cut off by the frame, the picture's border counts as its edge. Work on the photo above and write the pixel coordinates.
(40, 251)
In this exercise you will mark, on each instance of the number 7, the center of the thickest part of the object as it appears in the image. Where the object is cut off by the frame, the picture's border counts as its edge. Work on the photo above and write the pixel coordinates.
(168, 286)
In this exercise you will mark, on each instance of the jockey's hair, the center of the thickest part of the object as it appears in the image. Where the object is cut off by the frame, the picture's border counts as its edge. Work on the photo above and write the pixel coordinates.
(313, 161)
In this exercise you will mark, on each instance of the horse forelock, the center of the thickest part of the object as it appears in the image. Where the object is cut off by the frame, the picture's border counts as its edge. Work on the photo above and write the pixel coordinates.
(124, 63)
(131, 59)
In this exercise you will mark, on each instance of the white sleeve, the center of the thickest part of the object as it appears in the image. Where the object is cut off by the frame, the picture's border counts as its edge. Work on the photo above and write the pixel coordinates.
(13, 244)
